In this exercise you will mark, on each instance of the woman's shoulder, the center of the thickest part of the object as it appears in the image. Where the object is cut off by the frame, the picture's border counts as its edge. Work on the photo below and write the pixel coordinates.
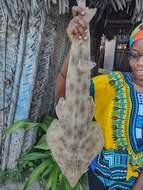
(112, 80)
(109, 77)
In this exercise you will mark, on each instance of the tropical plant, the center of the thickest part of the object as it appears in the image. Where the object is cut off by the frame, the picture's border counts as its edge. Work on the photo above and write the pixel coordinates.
(39, 161)
(10, 174)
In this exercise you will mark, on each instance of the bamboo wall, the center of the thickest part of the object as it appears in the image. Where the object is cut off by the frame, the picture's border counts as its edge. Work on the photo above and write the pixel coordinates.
(32, 47)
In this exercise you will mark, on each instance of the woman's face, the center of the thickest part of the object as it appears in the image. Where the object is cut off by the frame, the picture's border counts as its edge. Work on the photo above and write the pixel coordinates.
(136, 60)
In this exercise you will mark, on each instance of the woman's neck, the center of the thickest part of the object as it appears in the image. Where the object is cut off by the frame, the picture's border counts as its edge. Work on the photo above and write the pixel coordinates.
(138, 84)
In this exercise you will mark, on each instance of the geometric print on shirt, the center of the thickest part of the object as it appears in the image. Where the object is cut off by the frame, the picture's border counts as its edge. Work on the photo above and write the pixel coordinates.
(126, 133)
(112, 166)
(135, 130)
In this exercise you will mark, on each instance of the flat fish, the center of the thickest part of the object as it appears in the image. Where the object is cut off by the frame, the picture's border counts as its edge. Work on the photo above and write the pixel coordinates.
(74, 138)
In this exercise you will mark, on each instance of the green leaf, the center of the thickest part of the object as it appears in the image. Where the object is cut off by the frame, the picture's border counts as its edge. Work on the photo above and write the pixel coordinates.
(36, 174)
(46, 122)
(64, 184)
(42, 140)
(53, 178)
(25, 124)
(44, 127)
(2, 177)
(42, 146)
(60, 177)
(84, 178)
(34, 156)
(49, 169)
(77, 187)
(68, 187)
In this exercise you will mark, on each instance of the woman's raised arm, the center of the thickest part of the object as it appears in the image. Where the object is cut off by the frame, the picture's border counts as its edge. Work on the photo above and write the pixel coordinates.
(76, 29)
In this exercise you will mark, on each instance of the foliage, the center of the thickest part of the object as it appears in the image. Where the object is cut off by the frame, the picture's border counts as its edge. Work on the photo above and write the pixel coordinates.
(39, 161)
(13, 175)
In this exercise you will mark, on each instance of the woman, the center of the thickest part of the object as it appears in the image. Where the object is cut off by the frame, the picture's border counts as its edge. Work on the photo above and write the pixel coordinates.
(119, 111)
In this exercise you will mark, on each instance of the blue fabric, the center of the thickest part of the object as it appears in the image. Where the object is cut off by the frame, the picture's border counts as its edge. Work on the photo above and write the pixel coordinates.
(110, 166)
(136, 121)
(91, 88)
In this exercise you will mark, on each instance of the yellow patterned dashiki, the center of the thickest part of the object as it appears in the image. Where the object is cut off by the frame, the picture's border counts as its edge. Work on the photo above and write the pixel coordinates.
(119, 111)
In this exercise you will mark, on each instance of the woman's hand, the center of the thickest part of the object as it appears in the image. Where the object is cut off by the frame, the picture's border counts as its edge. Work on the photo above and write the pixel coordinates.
(77, 27)
(139, 184)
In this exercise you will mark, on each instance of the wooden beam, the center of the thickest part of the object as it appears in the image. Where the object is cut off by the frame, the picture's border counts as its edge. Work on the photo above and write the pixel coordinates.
(109, 54)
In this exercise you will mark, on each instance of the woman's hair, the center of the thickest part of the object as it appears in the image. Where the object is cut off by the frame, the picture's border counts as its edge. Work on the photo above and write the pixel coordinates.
(134, 34)
(123, 66)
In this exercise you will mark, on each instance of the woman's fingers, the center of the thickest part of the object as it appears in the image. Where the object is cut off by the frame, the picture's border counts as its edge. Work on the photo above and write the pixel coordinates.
(77, 28)
(72, 31)
(81, 22)
(76, 11)
(81, 26)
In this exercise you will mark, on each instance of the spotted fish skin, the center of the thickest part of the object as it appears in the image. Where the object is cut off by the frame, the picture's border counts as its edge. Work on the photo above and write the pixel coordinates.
(74, 138)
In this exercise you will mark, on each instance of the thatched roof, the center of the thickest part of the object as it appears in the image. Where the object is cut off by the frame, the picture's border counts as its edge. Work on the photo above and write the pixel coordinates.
(133, 8)
(15, 8)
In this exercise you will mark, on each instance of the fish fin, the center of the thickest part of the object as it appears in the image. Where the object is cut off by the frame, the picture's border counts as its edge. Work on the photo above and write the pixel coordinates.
(92, 144)
(85, 65)
(91, 108)
(81, 3)
(60, 108)
(89, 12)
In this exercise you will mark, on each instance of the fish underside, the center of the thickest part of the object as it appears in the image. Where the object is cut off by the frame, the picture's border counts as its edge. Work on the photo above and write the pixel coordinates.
(74, 138)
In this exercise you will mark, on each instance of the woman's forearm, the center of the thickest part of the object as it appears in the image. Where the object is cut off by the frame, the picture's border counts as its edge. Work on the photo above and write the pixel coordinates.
(139, 183)
(61, 79)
